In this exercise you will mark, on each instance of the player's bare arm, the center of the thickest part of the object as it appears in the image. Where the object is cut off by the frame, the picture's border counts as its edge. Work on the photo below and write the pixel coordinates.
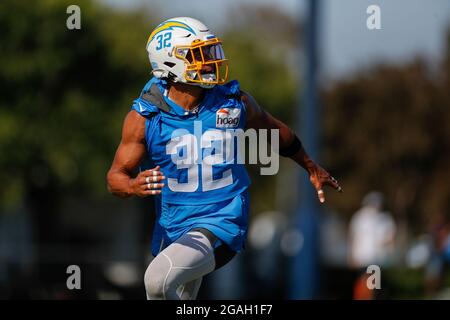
(258, 118)
(128, 156)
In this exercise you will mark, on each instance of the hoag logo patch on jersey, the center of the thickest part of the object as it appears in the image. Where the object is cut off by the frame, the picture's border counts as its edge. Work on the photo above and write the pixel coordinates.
(228, 117)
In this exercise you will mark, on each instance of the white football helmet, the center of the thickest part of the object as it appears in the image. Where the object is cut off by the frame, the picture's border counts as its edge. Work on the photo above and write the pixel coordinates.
(185, 50)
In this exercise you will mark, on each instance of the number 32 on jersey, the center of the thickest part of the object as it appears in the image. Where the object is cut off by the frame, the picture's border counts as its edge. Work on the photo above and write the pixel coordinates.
(217, 139)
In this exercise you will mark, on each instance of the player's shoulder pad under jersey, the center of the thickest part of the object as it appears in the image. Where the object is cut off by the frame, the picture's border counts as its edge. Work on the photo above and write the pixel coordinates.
(144, 108)
(151, 100)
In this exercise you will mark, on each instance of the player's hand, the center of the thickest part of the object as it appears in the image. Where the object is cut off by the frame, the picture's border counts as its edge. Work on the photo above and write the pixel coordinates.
(147, 183)
(320, 177)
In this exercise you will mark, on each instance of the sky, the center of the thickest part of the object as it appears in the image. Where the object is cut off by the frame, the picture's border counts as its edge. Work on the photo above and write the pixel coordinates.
(408, 27)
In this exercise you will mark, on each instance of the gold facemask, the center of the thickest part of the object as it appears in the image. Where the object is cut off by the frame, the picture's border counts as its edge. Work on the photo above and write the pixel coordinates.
(205, 62)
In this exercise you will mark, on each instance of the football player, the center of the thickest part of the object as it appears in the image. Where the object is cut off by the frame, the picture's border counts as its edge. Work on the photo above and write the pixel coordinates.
(179, 125)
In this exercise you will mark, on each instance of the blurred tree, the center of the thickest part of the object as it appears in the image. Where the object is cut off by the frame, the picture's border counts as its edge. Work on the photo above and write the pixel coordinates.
(64, 94)
(387, 128)
(262, 44)
(69, 89)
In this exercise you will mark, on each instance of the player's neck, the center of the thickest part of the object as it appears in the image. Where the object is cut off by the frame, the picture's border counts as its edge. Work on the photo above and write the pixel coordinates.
(186, 96)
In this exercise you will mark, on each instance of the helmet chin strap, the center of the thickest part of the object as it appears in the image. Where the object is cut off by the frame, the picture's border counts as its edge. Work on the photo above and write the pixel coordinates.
(208, 77)
(202, 85)
(207, 86)
(205, 77)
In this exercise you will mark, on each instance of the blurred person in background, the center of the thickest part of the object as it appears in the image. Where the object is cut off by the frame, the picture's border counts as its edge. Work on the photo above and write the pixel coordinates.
(439, 260)
(371, 240)
(202, 210)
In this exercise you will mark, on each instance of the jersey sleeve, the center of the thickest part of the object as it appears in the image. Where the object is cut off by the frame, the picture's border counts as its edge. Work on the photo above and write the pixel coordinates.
(144, 108)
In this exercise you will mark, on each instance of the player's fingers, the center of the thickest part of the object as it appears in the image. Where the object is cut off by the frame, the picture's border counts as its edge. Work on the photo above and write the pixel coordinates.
(333, 182)
(318, 185)
(152, 186)
(152, 172)
(150, 179)
(151, 192)
(321, 195)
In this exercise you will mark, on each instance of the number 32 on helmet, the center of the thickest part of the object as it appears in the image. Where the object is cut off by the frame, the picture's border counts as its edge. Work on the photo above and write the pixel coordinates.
(185, 50)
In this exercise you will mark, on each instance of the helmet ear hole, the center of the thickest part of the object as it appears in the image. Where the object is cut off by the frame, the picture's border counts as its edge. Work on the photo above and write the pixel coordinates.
(171, 76)
(169, 64)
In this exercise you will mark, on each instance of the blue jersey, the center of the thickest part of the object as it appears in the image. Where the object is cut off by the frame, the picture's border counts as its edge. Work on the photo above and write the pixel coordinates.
(197, 152)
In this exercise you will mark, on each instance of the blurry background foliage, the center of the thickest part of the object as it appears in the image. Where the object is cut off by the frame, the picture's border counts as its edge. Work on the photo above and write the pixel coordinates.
(65, 93)
(387, 128)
